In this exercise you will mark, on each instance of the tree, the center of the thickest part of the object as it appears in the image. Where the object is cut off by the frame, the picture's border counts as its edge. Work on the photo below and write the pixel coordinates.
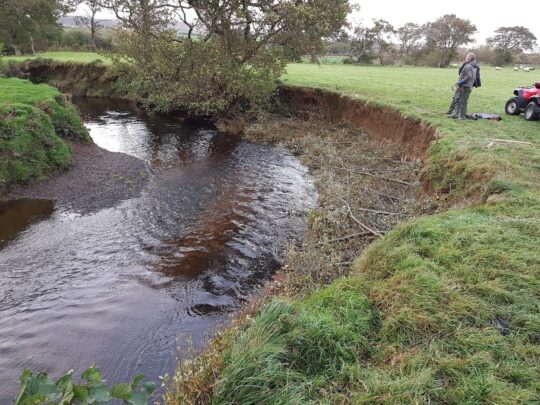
(446, 34)
(27, 23)
(235, 61)
(90, 21)
(509, 41)
(382, 38)
(410, 35)
(362, 44)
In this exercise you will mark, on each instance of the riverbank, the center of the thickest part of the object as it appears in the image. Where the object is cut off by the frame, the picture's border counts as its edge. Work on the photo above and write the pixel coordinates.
(34, 120)
(96, 179)
(440, 310)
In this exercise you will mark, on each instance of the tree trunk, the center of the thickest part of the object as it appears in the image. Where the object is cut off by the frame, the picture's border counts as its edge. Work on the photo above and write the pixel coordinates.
(16, 49)
(32, 45)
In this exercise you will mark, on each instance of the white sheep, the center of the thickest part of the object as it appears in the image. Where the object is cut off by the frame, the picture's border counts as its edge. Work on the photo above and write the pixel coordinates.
(516, 69)
(498, 68)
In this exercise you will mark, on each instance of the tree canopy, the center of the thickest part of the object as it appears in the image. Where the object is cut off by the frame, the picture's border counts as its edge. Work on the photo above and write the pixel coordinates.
(27, 24)
(446, 34)
(233, 52)
(509, 41)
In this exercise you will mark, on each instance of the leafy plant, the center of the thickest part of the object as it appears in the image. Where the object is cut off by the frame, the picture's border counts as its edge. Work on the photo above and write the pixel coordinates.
(38, 389)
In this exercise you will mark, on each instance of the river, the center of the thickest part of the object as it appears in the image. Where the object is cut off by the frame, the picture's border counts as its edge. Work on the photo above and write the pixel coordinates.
(134, 286)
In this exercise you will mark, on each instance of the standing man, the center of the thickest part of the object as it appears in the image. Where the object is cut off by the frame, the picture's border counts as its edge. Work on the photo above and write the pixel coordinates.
(467, 80)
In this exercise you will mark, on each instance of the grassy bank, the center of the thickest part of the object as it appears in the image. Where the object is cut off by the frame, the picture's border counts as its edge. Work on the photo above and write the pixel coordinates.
(444, 308)
(33, 119)
(77, 57)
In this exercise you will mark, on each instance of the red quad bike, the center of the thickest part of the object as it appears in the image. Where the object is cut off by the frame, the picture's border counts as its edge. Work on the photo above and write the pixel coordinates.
(527, 101)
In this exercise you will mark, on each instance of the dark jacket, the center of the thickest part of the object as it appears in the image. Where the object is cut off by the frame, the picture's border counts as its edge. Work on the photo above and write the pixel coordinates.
(468, 74)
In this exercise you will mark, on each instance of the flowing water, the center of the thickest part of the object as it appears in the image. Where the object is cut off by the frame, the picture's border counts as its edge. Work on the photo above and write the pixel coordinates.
(130, 286)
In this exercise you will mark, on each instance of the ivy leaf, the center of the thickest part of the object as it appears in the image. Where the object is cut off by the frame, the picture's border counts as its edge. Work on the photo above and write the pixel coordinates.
(138, 398)
(92, 375)
(99, 393)
(150, 387)
(137, 380)
(65, 381)
(80, 394)
(122, 391)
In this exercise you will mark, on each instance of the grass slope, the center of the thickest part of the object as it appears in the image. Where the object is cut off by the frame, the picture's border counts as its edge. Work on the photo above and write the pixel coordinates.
(32, 120)
(447, 306)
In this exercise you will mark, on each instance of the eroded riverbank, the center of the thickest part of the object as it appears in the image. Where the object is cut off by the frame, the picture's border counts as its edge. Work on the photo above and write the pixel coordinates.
(160, 267)
(365, 189)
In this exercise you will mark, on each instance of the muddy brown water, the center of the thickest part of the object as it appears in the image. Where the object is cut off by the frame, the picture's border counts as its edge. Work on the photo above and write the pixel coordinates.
(129, 287)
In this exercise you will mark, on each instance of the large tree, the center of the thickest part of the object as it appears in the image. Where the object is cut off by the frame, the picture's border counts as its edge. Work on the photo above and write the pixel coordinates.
(241, 48)
(509, 41)
(24, 24)
(382, 37)
(445, 35)
(362, 43)
(89, 20)
(410, 36)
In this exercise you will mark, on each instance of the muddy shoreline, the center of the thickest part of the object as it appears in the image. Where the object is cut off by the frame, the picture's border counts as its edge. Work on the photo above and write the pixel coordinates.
(97, 179)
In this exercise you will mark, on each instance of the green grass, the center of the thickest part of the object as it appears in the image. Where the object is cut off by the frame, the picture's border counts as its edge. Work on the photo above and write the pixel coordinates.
(444, 309)
(453, 297)
(32, 120)
(80, 57)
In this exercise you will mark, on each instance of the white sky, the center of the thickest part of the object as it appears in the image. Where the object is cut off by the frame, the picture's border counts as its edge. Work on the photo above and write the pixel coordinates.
(487, 15)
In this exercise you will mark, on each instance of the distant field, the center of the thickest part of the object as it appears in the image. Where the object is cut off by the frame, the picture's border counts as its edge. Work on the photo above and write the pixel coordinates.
(420, 92)
(82, 57)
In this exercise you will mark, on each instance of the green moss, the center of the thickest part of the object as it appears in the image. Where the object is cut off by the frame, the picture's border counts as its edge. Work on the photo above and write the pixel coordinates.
(33, 117)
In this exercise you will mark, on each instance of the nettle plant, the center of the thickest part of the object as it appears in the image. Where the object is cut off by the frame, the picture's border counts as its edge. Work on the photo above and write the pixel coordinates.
(40, 389)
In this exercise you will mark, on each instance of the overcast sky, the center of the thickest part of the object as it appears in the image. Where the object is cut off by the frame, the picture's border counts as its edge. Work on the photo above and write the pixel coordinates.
(487, 15)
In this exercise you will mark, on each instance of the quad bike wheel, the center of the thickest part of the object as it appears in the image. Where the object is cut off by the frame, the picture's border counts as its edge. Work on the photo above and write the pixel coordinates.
(511, 107)
(532, 111)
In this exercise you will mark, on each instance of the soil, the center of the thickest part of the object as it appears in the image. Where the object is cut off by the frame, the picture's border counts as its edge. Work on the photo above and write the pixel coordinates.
(366, 188)
(97, 179)
(412, 136)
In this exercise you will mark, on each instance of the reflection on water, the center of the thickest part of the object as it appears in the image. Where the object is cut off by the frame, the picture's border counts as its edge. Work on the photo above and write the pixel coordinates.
(17, 215)
(126, 286)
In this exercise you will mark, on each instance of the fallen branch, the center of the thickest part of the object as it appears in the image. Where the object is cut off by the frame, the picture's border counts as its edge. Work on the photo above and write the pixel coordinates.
(367, 228)
(376, 176)
(377, 212)
(344, 238)
(381, 194)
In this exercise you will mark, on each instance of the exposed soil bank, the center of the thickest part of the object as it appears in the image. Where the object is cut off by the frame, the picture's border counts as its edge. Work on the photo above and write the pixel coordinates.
(413, 137)
(94, 80)
(78, 79)
(97, 179)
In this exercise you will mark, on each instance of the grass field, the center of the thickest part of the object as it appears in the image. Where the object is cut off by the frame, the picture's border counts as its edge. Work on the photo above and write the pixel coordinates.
(80, 57)
(445, 308)
(32, 119)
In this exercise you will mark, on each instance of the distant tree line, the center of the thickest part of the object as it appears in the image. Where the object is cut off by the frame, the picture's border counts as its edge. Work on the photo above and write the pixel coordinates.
(435, 43)
(30, 26)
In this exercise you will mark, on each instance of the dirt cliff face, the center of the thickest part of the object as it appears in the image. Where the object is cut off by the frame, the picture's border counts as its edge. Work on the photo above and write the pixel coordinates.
(414, 137)
(78, 79)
